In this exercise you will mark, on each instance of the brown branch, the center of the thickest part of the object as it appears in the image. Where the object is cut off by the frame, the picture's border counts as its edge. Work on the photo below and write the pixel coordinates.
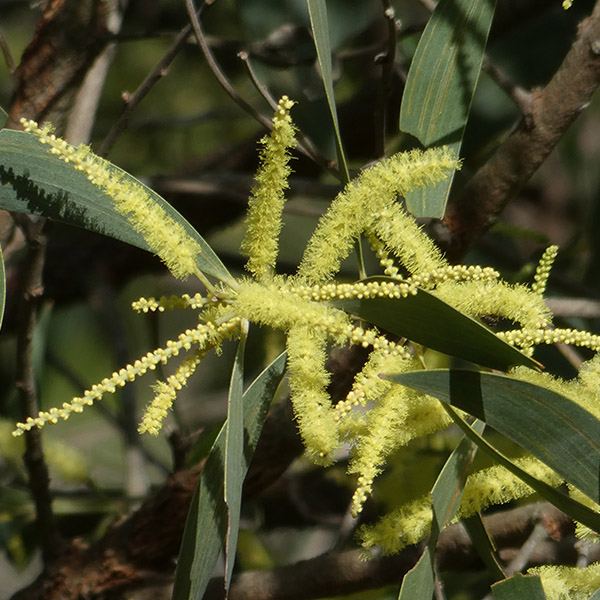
(131, 101)
(37, 469)
(554, 108)
(344, 573)
(67, 40)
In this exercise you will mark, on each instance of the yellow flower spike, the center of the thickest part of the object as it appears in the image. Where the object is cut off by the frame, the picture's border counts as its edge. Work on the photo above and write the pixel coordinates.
(567, 4)
(406, 525)
(568, 583)
(166, 237)
(171, 303)
(263, 222)
(402, 236)
(359, 204)
(491, 297)
(573, 337)
(410, 523)
(398, 417)
(205, 335)
(308, 382)
(543, 270)
(496, 485)
(166, 393)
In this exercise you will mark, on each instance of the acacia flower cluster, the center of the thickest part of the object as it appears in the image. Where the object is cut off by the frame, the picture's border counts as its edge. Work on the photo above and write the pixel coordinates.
(377, 417)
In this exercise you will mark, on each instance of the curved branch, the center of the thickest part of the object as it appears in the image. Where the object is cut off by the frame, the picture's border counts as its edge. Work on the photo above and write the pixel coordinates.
(553, 110)
(348, 572)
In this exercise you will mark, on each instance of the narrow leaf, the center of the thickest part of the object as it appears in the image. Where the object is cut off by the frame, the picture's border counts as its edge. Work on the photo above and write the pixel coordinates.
(484, 545)
(36, 182)
(236, 463)
(431, 322)
(441, 82)
(419, 582)
(553, 428)
(519, 586)
(595, 595)
(206, 525)
(2, 287)
(576, 510)
(317, 10)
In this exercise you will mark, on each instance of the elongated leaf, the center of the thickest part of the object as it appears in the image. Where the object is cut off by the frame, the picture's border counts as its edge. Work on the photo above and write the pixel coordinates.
(484, 545)
(441, 82)
(317, 10)
(446, 493)
(519, 586)
(36, 182)
(206, 525)
(236, 463)
(427, 320)
(2, 287)
(595, 595)
(575, 509)
(552, 427)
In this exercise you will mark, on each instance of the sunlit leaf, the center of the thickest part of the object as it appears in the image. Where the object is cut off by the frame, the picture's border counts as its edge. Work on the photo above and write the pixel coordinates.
(441, 82)
(431, 322)
(550, 426)
(236, 463)
(317, 10)
(36, 182)
(206, 525)
(446, 493)
(483, 545)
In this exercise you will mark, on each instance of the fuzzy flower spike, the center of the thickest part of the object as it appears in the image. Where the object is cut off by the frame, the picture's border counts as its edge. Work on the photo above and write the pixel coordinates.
(376, 418)
(263, 222)
(167, 238)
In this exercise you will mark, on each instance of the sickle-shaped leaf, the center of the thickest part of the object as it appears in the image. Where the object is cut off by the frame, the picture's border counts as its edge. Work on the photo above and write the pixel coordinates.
(483, 544)
(558, 431)
(236, 463)
(2, 287)
(446, 493)
(431, 322)
(440, 86)
(317, 10)
(206, 526)
(36, 182)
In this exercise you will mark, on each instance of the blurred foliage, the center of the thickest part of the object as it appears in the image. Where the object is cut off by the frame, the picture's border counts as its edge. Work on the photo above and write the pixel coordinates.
(189, 129)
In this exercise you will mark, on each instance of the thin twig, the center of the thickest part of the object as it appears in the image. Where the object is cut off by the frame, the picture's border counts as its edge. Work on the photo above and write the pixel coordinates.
(554, 109)
(574, 307)
(10, 63)
(386, 60)
(538, 535)
(304, 145)
(521, 97)
(260, 87)
(216, 69)
(37, 469)
(131, 101)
